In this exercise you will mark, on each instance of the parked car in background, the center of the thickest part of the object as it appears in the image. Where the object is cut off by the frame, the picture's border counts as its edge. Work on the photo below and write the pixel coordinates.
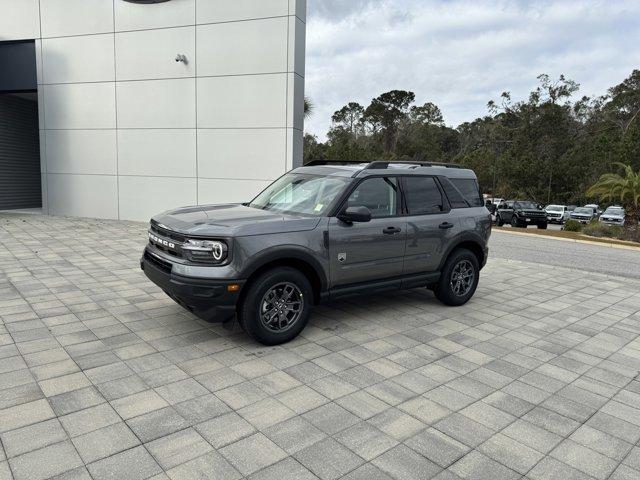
(557, 213)
(595, 208)
(583, 214)
(521, 213)
(613, 215)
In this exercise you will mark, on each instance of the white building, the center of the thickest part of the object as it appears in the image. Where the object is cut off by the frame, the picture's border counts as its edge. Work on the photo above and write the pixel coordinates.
(126, 130)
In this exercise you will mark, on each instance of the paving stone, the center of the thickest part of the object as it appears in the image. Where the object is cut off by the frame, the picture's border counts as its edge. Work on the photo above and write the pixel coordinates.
(551, 469)
(177, 448)
(476, 466)
(253, 453)
(105, 442)
(464, 429)
(73, 401)
(328, 459)
(367, 471)
(200, 409)
(46, 462)
(225, 429)
(157, 424)
(402, 463)
(331, 418)
(365, 440)
(89, 419)
(287, 469)
(584, 459)
(437, 447)
(138, 404)
(397, 424)
(211, 466)
(132, 464)
(511, 453)
(294, 434)
(33, 437)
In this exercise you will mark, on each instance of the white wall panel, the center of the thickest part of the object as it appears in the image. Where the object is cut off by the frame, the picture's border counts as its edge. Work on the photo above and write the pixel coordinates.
(296, 56)
(143, 197)
(157, 104)
(87, 58)
(244, 153)
(19, 19)
(151, 54)
(210, 11)
(162, 152)
(76, 17)
(242, 101)
(228, 191)
(80, 105)
(257, 46)
(81, 151)
(132, 16)
(83, 195)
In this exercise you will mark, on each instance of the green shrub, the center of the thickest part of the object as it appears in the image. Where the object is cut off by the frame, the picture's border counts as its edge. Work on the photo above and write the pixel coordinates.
(597, 229)
(572, 226)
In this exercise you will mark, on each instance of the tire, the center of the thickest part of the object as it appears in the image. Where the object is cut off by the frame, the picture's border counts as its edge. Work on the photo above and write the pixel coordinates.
(500, 221)
(514, 222)
(276, 283)
(444, 290)
(542, 226)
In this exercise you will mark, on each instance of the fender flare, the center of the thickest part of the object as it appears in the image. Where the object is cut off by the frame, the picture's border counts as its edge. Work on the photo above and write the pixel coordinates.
(286, 252)
(464, 237)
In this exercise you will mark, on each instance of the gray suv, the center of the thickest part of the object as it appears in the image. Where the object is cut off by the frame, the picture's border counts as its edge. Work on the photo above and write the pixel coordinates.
(319, 233)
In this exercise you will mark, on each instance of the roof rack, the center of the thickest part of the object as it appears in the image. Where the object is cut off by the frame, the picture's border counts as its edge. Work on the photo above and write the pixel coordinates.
(382, 164)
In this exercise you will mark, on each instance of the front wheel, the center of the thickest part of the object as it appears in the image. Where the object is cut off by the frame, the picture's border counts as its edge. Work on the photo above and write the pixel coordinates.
(276, 306)
(514, 222)
(500, 221)
(542, 226)
(459, 278)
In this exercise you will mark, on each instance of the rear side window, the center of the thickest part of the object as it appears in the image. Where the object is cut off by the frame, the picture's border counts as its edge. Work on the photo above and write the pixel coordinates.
(423, 196)
(456, 200)
(468, 187)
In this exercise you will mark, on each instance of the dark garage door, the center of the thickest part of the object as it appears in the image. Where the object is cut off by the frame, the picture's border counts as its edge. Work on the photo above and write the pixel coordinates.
(20, 185)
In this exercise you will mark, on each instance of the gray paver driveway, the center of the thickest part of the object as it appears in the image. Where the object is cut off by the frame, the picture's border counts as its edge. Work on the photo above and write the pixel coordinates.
(102, 376)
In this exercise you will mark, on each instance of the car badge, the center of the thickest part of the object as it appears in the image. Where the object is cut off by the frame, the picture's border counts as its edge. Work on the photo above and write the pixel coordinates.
(342, 257)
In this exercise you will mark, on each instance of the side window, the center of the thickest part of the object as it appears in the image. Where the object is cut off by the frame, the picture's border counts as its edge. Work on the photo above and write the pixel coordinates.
(380, 195)
(456, 200)
(423, 196)
(469, 188)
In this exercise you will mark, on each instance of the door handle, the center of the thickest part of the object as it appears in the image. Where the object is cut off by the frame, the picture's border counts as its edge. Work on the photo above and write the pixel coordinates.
(391, 230)
(445, 225)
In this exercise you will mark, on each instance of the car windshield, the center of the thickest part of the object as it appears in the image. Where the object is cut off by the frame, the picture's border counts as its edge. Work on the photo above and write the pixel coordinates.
(298, 193)
(526, 205)
(587, 211)
(614, 211)
(554, 208)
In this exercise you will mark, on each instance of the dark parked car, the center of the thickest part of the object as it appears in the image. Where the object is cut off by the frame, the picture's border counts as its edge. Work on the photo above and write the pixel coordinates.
(319, 233)
(583, 214)
(521, 213)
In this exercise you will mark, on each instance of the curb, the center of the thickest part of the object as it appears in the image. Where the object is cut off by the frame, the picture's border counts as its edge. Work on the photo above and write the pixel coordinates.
(573, 240)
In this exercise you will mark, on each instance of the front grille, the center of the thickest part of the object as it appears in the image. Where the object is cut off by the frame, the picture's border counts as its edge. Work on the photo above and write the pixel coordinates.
(158, 262)
(173, 240)
(163, 232)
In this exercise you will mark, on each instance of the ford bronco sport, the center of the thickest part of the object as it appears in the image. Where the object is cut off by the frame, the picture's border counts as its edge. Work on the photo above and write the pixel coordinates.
(318, 233)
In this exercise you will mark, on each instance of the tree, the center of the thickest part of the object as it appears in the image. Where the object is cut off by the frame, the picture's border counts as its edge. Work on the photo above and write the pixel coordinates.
(624, 189)
(385, 114)
(349, 117)
(428, 113)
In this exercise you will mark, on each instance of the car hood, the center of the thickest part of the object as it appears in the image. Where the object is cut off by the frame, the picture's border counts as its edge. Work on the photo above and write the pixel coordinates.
(232, 220)
(611, 215)
(529, 211)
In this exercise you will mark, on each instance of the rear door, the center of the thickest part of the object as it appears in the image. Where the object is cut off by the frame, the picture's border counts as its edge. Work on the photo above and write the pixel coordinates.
(429, 224)
(369, 251)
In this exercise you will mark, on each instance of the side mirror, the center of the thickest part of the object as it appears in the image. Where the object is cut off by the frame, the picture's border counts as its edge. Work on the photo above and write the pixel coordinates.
(355, 214)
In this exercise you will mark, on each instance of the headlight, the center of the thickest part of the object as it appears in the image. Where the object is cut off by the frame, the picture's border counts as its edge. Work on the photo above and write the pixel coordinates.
(208, 251)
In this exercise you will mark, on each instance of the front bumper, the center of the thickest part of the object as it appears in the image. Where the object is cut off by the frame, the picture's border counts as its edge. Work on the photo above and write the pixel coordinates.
(584, 221)
(208, 299)
(525, 220)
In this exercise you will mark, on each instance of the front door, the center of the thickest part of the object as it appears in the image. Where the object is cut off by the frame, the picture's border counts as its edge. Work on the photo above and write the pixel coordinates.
(374, 250)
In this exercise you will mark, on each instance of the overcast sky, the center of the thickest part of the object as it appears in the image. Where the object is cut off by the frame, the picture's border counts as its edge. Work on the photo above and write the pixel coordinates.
(460, 54)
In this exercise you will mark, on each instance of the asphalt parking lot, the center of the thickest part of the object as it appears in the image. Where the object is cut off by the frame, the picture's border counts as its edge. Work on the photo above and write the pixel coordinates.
(103, 377)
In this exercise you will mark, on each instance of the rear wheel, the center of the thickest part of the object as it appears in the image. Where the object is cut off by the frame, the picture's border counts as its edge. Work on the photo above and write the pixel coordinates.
(276, 306)
(458, 279)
